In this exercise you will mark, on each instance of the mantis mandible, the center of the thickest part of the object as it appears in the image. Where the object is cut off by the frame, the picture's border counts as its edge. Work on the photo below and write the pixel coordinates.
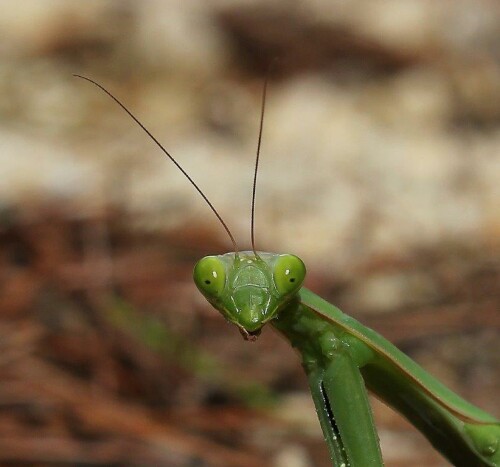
(341, 357)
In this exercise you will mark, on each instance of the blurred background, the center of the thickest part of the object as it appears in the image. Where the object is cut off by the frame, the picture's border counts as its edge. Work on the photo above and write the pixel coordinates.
(379, 168)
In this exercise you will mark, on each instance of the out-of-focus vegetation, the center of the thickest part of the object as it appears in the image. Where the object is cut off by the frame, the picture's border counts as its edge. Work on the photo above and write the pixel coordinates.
(380, 169)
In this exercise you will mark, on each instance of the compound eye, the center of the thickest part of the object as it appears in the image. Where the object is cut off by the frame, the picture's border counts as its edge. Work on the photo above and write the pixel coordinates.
(210, 276)
(289, 273)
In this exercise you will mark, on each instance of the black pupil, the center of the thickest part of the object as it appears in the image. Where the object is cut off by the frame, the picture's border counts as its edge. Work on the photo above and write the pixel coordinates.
(292, 279)
(207, 282)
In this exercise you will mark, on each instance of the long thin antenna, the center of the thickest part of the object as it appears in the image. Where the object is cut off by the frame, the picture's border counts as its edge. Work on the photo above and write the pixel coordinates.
(256, 170)
(168, 155)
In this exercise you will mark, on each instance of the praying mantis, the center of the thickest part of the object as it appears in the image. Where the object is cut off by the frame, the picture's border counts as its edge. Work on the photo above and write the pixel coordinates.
(341, 357)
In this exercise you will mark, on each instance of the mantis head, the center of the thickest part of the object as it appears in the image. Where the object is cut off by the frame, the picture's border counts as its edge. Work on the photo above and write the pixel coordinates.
(249, 289)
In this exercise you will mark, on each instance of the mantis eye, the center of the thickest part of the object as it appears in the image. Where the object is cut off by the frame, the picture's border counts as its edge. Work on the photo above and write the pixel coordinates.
(289, 273)
(210, 276)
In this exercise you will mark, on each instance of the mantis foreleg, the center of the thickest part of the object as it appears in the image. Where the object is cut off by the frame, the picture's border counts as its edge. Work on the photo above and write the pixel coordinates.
(345, 415)
(327, 421)
(348, 400)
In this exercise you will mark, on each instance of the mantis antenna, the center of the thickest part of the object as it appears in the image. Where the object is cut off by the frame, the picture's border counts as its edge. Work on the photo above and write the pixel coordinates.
(198, 189)
(257, 158)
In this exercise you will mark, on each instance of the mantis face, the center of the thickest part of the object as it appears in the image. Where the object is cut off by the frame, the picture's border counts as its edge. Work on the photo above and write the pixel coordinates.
(249, 289)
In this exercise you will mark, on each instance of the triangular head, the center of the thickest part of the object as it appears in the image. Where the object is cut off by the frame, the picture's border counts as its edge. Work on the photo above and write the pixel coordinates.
(248, 288)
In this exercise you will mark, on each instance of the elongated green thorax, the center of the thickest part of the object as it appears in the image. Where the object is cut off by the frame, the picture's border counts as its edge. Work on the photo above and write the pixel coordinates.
(249, 289)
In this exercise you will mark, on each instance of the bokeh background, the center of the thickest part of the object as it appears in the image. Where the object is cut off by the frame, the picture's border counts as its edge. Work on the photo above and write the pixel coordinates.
(380, 168)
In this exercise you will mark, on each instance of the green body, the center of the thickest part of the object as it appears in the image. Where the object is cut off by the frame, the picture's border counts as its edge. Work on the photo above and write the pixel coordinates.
(341, 357)
(322, 333)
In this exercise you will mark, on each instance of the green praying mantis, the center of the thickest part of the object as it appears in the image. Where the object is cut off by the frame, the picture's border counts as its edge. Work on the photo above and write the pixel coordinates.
(341, 357)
